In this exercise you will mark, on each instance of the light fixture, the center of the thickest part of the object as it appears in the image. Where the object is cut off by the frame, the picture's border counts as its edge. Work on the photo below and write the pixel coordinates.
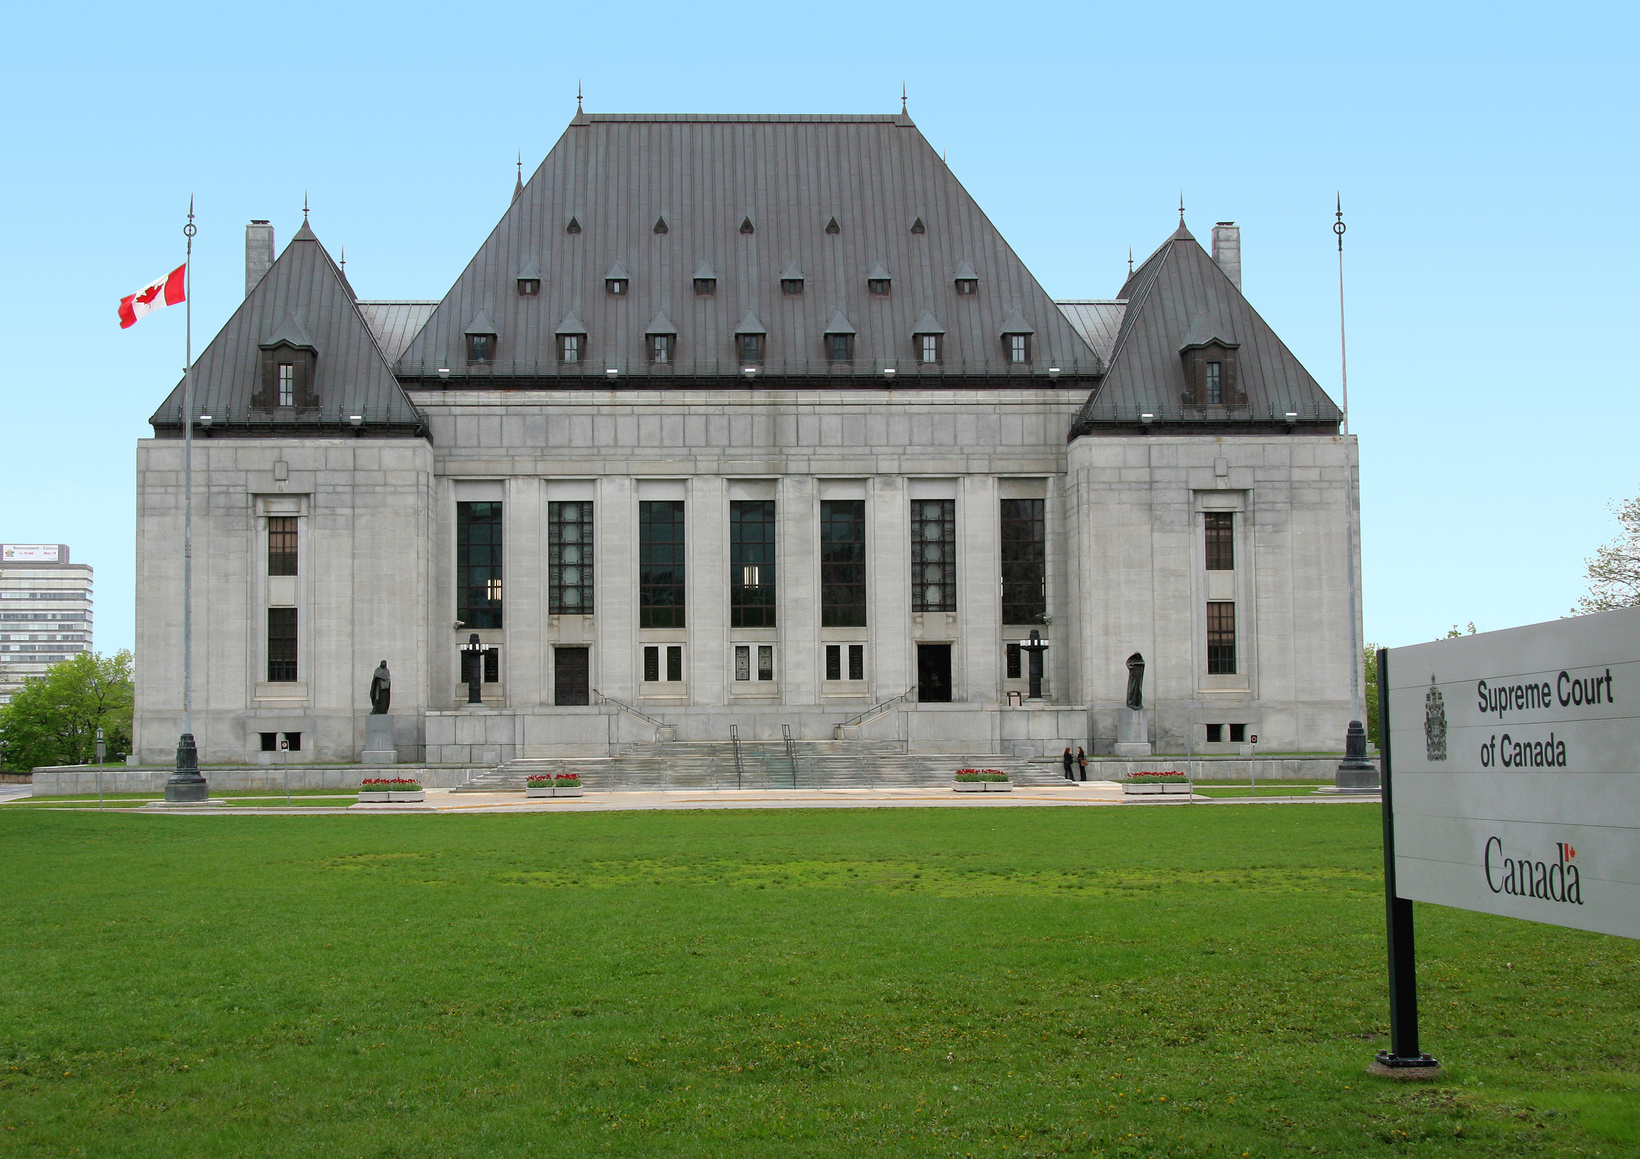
(205, 421)
(612, 374)
(1147, 418)
(749, 371)
(1292, 417)
(1053, 372)
(444, 372)
(356, 420)
(888, 373)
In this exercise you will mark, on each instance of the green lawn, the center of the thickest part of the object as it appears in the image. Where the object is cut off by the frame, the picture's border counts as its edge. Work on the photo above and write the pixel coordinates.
(837, 983)
(261, 798)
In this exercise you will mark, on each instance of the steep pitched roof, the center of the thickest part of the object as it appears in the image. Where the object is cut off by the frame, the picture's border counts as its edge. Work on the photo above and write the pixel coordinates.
(1180, 297)
(789, 176)
(1097, 320)
(302, 299)
(395, 323)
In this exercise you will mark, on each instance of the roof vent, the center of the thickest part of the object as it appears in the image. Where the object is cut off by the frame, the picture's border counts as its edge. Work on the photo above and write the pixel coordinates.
(833, 227)
(573, 226)
(661, 226)
(746, 226)
(918, 227)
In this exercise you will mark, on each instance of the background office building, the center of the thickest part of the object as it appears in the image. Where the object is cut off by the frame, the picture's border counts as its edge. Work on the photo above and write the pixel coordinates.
(750, 421)
(45, 611)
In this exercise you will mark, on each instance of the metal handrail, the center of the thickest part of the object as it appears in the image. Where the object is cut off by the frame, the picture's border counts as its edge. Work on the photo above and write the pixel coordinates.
(791, 753)
(740, 770)
(875, 710)
(625, 707)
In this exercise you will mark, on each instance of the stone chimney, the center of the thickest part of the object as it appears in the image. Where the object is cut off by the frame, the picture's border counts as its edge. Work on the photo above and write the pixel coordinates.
(259, 252)
(1227, 249)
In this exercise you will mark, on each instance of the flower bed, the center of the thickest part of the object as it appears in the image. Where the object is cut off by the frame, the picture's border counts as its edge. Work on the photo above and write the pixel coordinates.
(553, 785)
(380, 789)
(1161, 781)
(982, 781)
(969, 775)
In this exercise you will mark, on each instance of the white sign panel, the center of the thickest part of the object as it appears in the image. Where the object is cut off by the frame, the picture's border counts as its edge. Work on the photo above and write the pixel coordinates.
(1515, 772)
(28, 552)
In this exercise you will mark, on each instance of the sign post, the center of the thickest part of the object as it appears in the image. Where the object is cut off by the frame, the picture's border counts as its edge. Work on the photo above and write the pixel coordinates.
(1511, 786)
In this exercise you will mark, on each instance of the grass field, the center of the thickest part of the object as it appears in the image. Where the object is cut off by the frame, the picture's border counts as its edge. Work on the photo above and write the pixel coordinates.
(950, 982)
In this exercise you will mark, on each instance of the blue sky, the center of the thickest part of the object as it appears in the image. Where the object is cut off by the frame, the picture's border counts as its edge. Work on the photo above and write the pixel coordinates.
(1486, 155)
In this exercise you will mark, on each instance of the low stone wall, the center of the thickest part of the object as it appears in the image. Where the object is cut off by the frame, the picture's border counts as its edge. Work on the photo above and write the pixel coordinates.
(76, 780)
(1220, 768)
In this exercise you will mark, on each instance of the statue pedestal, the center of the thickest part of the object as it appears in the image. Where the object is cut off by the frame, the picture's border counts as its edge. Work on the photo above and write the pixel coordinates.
(378, 740)
(1132, 732)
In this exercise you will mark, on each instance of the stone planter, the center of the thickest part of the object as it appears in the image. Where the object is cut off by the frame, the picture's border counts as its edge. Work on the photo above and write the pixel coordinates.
(566, 790)
(418, 795)
(982, 786)
(373, 798)
(538, 791)
(1139, 788)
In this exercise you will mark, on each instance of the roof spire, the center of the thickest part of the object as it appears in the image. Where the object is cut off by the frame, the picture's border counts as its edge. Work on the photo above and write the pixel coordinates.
(902, 98)
(1130, 261)
(304, 207)
(577, 95)
(342, 250)
(518, 187)
(1181, 207)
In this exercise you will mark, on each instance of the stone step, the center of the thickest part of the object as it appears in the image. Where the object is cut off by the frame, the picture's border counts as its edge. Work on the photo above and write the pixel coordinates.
(763, 764)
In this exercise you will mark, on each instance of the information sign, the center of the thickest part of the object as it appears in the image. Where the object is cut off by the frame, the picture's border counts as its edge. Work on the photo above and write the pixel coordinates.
(1515, 780)
(29, 552)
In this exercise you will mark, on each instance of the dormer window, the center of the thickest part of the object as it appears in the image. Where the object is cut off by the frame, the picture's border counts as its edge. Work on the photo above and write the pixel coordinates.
(616, 286)
(1210, 364)
(529, 279)
(1017, 347)
(660, 339)
(705, 287)
(287, 384)
(289, 367)
(749, 348)
(928, 348)
(928, 339)
(660, 347)
(877, 280)
(480, 347)
(967, 286)
(791, 287)
(570, 347)
(839, 348)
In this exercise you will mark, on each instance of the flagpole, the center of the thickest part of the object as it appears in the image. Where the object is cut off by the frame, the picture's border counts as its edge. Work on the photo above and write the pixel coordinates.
(1355, 771)
(186, 785)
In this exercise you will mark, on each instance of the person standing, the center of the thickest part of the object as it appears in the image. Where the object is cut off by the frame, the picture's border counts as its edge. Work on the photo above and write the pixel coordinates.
(1067, 760)
(1082, 762)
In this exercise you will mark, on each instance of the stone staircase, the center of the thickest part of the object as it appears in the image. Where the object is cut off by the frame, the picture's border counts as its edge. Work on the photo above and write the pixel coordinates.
(708, 765)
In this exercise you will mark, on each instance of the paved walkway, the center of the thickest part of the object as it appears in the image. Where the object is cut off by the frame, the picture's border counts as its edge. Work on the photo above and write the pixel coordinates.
(443, 801)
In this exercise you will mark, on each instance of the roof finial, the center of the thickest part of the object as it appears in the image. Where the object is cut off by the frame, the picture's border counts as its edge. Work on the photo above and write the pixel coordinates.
(518, 186)
(902, 98)
(577, 95)
(1130, 261)
(304, 207)
(342, 249)
(1181, 207)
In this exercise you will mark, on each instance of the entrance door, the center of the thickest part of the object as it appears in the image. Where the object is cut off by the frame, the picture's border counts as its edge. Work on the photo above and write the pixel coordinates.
(571, 678)
(933, 673)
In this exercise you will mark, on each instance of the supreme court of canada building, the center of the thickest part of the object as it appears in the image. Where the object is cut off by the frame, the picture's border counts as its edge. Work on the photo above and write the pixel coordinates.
(752, 421)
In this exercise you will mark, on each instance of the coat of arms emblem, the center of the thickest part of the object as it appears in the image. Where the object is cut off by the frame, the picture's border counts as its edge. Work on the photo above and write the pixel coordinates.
(1434, 722)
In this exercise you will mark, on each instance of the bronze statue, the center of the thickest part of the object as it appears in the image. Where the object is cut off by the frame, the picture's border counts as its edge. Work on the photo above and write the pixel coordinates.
(381, 690)
(1136, 682)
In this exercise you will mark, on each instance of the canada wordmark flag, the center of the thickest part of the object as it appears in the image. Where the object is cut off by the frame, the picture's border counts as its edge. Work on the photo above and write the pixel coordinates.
(163, 291)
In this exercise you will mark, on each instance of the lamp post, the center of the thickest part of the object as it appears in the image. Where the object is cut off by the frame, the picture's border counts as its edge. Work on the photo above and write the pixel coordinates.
(474, 651)
(102, 751)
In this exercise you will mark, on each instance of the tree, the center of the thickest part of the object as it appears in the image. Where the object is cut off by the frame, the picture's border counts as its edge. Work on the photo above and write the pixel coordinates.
(1614, 572)
(54, 720)
(1370, 658)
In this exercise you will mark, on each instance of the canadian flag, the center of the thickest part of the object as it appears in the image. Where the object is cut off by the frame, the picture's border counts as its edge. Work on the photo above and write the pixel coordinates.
(162, 291)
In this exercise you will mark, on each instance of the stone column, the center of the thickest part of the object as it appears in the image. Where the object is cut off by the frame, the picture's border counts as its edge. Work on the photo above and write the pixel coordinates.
(706, 542)
(888, 584)
(797, 552)
(979, 594)
(615, 588)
